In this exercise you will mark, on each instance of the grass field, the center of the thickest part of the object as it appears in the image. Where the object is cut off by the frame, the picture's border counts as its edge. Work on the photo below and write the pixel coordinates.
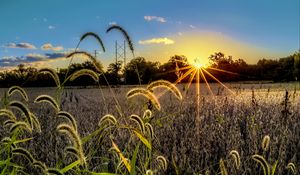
(257, 119)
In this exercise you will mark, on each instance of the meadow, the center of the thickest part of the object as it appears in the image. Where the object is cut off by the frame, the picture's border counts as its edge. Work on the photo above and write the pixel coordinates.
(254, 130)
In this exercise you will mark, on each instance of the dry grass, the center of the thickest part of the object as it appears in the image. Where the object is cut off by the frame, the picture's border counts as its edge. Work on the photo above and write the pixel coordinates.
(228, 122)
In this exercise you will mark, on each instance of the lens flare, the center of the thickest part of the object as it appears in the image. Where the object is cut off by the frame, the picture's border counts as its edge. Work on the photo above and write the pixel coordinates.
(197, 64)
(196, 72)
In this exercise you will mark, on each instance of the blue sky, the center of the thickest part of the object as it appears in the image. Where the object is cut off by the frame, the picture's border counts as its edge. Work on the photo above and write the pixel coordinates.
(39, 33)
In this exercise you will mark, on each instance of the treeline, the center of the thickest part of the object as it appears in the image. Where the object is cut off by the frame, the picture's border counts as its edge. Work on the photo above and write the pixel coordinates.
(141, 71)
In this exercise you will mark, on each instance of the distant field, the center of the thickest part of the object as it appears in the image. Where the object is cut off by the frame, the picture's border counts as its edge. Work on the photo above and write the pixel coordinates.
(237, 121)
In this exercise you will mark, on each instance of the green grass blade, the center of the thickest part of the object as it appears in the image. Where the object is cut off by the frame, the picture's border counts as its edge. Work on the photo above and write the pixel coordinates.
(23, 140)
(70, 166)
(133, 160)
(88, 137)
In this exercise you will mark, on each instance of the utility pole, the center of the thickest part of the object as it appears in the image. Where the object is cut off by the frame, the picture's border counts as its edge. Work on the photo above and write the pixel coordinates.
(95, 53)
(120, 54)
(124, 53)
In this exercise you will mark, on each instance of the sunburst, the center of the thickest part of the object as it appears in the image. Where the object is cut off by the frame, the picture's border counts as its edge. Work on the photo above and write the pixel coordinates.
(198, 72)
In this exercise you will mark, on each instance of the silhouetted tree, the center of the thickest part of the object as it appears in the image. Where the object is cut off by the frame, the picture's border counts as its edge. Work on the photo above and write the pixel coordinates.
(113, 73)
(140, 68)
(171, 70)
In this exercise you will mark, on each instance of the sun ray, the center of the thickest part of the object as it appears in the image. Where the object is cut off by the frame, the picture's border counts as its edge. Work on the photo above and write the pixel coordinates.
(198, 100)
(211, 92)
(186, 67)
(217, 80)
(184, 75)
(182, 68)
(221, 70)
(177, 81)
(191, 79)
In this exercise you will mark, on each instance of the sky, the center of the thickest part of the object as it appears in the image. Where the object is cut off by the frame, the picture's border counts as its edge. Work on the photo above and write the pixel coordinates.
(40, 33)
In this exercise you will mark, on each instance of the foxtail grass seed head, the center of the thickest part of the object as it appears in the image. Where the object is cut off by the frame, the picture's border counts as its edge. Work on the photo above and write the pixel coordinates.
(125, 34)
(223, 167)
(74, 137)
(236, 157)
(163, 162)
(141, 91)
(150, 130)
(70, 131)
(84, 72)
(72, 150)
(18, 89)
(21, 107)
(166, 84)
(149, 172)
(261, 160)
(23, 152)
(108, 118)
(52, 73)
(9, 122)
(147, 114)
(94, 35)
(8, 113)
(291, 166)
(69, 117)
(6, 140)
(35, 123)
(40, 165)
(265, 143)
(139, 121)
(20, 125)
(48, 99)
(97, 65)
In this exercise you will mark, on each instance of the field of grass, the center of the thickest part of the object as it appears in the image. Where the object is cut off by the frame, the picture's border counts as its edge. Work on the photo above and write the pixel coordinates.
(255, 130)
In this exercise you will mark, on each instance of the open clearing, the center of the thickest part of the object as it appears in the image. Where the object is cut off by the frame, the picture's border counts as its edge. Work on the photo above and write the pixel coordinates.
(191, 144)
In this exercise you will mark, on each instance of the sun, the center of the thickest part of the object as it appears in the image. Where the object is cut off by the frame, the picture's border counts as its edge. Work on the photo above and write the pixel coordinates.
(197, 73)
(197, 64)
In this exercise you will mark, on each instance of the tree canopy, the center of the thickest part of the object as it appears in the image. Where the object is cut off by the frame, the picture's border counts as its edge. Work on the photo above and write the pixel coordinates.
(139, 70)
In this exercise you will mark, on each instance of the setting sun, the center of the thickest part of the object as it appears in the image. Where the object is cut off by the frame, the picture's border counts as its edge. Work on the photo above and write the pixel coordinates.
(197, 64)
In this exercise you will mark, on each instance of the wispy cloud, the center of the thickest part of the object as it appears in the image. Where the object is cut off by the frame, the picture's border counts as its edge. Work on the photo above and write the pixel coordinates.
(156, 18)
(192, 26)
(165, 41)
(112, 23)
(20, 46)
(11, 61)
(51, 27)
(49, 46)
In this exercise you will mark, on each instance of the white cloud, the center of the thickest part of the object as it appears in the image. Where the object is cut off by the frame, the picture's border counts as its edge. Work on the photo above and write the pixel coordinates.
(35, 56)
(192, 26)
(51, 27)
(165, 41)
(20, 46)
(48, 46)
(112, 23)
(156, 18)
